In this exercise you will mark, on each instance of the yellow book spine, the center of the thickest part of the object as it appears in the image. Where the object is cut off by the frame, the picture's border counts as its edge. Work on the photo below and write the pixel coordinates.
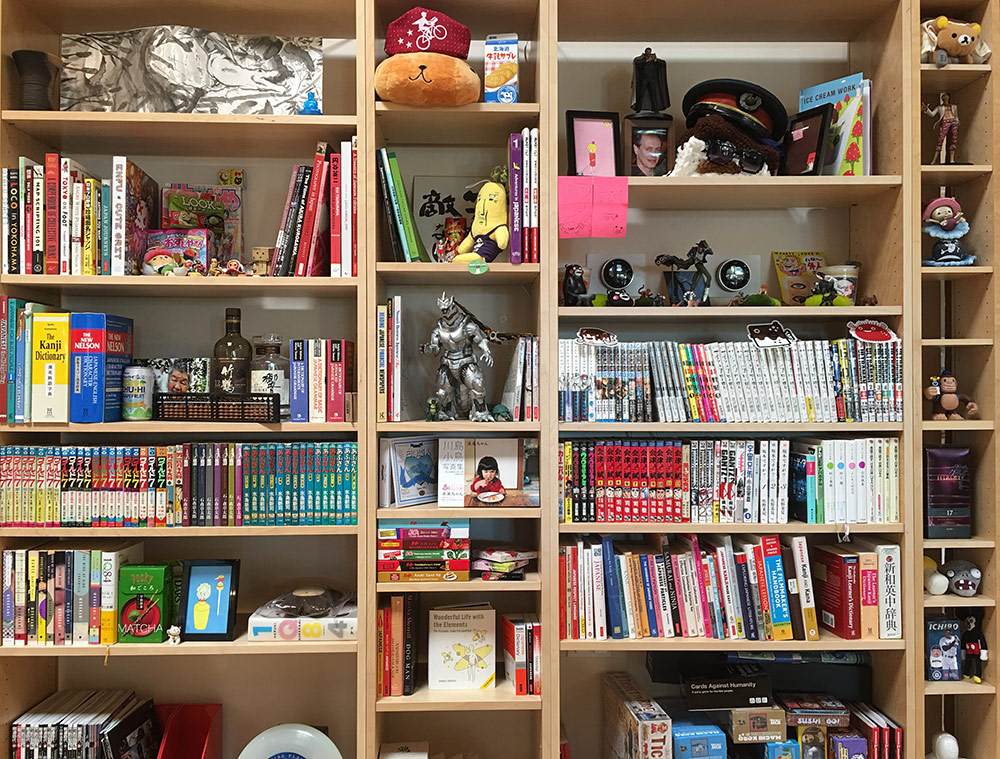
(50, 367)
(88, 229)
(568, 481)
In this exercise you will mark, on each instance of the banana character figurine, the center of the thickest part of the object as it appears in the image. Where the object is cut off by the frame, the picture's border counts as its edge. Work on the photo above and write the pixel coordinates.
(489, 235)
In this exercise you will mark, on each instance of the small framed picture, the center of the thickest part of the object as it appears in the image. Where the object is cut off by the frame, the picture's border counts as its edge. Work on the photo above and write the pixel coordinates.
(593, 140)
(806, 142)
(208, 598)
(647, 146)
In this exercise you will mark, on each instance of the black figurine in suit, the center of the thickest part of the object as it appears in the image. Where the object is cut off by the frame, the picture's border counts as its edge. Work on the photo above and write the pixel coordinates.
(649, 83)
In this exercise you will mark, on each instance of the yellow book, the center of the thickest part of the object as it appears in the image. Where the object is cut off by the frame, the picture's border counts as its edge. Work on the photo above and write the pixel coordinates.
(91, 218)
(567, 483)
(50, 367)
(112, 560)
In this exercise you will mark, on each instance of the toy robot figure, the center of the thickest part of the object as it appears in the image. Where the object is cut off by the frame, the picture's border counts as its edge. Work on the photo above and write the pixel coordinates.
(461, 387)
(974, 644)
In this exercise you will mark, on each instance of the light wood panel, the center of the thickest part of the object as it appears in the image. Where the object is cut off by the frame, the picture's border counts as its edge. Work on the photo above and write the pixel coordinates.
(187, 287)
(793, 528)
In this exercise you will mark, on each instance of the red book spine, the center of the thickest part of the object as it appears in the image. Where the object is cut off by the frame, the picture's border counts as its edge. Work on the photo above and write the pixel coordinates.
(601, 499)
(284, 220)
(335, 381)
(51, 213)
(765, 598)
(562, 593)
(309, 219)
(386, 650)
(642, 466)
(335, 215)
(852, 599)
(619, 464)
(354, 208)
(318, 258)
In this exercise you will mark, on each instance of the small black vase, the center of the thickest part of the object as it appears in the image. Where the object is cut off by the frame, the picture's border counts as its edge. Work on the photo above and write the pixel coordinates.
(36, 71)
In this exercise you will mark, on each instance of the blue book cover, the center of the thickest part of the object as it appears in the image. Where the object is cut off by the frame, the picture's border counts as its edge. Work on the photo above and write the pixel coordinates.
(298, 399)
(100, 349)
(353, 450)
(13, 305)
(612, 588)
(829, 92)
(746, 599)
(647, 593)
(280, 455)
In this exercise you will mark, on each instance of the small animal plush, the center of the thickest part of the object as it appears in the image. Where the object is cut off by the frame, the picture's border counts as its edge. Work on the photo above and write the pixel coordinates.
(956, 41)
(426, 64)
(575, 287)
(943, 392)
(489, 234)
(963, 576)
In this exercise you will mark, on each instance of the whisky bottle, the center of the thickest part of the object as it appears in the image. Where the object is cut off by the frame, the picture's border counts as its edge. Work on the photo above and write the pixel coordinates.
(231, 359)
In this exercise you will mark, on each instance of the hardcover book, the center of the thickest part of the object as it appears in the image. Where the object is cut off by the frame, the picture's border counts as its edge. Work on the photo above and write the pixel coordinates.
(948, 492)
(135, 198)
(461, 647)
(100, 349)
(50, 367)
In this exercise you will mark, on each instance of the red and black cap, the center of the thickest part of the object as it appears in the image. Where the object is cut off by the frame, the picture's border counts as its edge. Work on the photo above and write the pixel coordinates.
(747, 105)
(421, 30)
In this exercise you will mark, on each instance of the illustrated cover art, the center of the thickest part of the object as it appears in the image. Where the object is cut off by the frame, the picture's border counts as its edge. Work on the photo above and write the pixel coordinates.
(414, 470)
(168, 249)
(135, 736)
(181, 69)
(178, 375)
(146, 601)
(943, 649)
(461, 647)
(134, 207)
(230, 243)
(797, 274)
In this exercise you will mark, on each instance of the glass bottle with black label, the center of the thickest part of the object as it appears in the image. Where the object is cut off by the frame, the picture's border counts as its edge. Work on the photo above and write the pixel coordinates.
(269, 369)
(231, 359)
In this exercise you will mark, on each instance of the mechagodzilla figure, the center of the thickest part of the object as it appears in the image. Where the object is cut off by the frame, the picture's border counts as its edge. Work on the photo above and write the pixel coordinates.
(461, 388)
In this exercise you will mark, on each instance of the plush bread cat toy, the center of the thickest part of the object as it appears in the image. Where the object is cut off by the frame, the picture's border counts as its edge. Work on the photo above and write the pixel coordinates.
(427, 62)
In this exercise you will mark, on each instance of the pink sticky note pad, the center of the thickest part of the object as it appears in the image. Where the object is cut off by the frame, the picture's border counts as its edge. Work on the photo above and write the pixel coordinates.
(610, 216)
(576, 204)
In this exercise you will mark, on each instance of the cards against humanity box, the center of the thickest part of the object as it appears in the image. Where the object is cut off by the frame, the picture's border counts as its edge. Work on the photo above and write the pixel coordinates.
(731, 686)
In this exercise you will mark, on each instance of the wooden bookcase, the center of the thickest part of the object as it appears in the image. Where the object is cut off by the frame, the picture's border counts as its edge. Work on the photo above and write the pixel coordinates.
(575, 55)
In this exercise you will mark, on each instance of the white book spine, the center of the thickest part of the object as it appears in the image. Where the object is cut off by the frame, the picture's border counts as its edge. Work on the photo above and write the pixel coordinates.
(783, 455)
(583, 582)
(65, 184)
(663, 597)
(337, 262)
(591, 373)
(772, 482)
(118, 216)
(526, 185)
(600, 609)
(890, 625)
(894, 480)
(750, 494)
(316, 371)
(627, 596)
(853, 491)
(534, 188)
(76, 234)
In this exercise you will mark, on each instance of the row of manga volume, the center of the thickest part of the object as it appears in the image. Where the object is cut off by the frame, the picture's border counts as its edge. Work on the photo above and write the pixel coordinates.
(844, 380)
(728, 587)
(834, 481)
(184, 485)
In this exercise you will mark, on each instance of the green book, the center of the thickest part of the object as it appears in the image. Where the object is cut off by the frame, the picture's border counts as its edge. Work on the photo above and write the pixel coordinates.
(413, 243)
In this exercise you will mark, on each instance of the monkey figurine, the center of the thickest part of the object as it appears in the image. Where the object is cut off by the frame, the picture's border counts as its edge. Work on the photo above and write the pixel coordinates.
(574, 287)
(974, 645)
(943, 392)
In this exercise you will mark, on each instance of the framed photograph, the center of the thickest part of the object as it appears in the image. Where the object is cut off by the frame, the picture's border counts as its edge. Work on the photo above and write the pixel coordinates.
(807, 142)
(648, 146)
(208, 599)
(593, 141)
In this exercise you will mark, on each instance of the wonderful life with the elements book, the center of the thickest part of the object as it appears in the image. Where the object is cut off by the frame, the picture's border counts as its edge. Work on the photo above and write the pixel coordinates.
(461, 647)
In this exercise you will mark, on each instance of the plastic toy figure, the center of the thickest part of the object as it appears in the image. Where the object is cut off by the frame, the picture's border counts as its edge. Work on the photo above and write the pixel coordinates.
(963, 577)
(649, 83)
(574, 288)
(950, 653)
(974, 645)
(944, 220)
(947, 125)
(461, 387)
(943, 391)
(691, 288)
(502, 414)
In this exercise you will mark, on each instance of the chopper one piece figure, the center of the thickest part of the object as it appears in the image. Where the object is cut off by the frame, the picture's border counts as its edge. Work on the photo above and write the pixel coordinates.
(461, 388)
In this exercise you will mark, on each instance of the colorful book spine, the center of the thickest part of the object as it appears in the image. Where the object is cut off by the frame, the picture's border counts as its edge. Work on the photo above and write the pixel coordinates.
(515, 179)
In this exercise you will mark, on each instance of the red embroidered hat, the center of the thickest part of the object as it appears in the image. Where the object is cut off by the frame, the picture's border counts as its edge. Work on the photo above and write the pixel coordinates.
(420, 30)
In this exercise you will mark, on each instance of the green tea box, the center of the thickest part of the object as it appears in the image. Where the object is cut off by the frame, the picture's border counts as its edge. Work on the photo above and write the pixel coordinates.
(146, 597)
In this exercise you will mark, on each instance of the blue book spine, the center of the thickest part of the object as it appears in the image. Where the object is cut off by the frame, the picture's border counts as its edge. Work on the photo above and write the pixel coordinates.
(353, 450)
(343, 507)
(613, 589)
(397, 209)
(774, 574)
(647, 592)
(811, 501)
(19, 370)
(280, 464)
(298, 401)
(87, 361)
(13, 304)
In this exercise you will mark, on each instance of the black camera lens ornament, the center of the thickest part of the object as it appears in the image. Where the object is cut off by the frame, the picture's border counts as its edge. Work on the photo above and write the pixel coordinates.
(617, 274)
(733, 275)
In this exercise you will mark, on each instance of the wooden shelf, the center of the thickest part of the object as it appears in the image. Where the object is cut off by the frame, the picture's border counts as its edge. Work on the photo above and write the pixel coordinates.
(479, 124)
(714, 428)
(952, 77)
(239, 647)
(185, 287)
(959, 688)
(432, 428)
(973, 542)
(964, 425)
(639, 313)
(826, 642)
(793, 528)
(957, 342)
(531, 582)
(418, 512)
(316, 17)
(955, 272)
(719, 193)
(177, 532)
(422, 273)
(950, 599)
(107, 428)
(181, 134)
(953, 174)
(740, 21)
(498, 699)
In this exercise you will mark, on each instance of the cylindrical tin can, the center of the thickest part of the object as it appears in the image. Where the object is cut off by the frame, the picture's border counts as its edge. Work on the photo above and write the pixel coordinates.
(137, 393)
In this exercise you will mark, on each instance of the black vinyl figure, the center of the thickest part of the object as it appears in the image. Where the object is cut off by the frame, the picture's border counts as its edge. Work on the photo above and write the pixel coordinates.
(974, 646)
